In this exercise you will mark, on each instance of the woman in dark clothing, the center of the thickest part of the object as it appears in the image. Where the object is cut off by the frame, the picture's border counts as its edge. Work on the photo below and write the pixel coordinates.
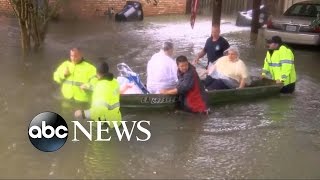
(191, 91)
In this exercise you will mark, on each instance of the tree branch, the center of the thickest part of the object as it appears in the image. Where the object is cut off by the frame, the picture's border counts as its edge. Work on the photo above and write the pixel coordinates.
(53, 11)
(14, 7)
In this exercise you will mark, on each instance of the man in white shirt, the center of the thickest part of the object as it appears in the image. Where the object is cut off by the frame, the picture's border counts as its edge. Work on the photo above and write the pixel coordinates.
(162, 70)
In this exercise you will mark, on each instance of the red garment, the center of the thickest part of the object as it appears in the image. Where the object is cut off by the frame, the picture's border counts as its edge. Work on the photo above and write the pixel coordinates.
(191, 91)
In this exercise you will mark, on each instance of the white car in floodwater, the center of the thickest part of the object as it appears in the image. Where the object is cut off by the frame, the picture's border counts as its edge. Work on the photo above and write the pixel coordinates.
(300, 24)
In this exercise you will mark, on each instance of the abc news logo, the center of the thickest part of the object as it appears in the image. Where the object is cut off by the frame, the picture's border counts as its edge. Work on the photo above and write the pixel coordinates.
(48, 131)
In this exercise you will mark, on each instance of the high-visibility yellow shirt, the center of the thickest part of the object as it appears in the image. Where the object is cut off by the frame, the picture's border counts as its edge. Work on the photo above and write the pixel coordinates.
(81, 73)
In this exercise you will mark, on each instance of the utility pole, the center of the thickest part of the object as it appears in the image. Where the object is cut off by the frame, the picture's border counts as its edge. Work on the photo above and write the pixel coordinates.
(188, 6)
(255, 16)
(216, 12)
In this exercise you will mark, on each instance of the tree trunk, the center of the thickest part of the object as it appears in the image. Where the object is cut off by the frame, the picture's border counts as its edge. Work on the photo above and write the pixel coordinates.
(35, 20)
(34, 16)
(216, 12)
(43, 24)
(35, 32)
(25, 38)
(188, 6)
(255, 16)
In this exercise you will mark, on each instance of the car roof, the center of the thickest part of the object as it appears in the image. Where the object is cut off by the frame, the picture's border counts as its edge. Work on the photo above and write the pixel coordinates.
(309, 2)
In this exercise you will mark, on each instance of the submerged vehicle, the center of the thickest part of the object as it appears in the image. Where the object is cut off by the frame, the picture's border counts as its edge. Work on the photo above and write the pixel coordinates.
(244, 18)
(132, 11)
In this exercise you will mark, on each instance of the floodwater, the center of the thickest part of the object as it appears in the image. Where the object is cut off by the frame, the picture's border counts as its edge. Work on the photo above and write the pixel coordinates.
(271, 138)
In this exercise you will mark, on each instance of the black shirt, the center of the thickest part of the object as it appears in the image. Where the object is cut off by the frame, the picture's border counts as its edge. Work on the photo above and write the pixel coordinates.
(215, 49)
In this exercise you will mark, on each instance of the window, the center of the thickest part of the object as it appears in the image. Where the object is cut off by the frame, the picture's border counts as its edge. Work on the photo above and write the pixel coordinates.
(307, 10)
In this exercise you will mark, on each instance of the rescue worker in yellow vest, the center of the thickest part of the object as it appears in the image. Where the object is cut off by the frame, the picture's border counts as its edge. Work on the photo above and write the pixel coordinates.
(72, 74)
(105, 103)
(279, 64)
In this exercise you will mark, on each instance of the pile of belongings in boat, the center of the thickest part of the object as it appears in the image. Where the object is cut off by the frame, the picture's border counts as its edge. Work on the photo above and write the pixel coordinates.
(127, 76)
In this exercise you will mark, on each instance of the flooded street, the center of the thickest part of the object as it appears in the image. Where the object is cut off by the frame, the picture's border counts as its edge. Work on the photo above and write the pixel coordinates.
(271, 138)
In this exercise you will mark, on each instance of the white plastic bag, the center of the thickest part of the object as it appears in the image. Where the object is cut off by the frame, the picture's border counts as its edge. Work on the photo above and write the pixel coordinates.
(134, 89)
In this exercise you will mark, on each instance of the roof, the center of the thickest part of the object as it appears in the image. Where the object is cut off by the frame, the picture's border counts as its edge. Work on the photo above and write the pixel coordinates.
(309, 2)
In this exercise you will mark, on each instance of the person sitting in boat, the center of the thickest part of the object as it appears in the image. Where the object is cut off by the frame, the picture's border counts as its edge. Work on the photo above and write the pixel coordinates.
(228, 72)
(190, 89)
(162, 70)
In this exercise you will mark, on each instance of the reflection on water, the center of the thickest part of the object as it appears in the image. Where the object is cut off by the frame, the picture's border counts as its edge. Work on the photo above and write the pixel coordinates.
(272, 138)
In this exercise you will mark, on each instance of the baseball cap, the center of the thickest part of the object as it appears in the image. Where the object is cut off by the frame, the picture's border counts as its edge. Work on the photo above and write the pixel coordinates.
(274, 39)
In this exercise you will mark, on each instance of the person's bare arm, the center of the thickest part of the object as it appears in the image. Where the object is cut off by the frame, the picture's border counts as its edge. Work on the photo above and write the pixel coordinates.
(125, 87)
(199, 55)
(242, 83)
(244, 75)
(169, 91)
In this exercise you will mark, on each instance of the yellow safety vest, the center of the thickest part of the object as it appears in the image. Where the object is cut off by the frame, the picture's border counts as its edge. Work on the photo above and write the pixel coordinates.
(105, 105)
(80, 73)
(280, 65)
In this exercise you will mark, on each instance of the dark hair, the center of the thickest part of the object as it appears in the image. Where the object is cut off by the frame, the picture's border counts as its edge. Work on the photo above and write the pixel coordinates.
(103, 69)
(275, 39)
(181, 59)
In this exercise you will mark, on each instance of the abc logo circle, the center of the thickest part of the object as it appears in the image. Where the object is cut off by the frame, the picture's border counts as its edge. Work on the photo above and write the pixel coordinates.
(48, 131)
